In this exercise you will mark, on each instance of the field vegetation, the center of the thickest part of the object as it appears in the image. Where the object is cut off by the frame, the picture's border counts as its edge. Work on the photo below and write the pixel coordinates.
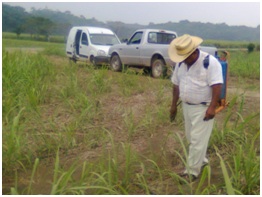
(62, 39)
(78, 129)
(25, 36)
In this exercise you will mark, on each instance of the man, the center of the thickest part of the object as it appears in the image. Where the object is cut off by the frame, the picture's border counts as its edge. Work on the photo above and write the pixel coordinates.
(224, 55)
(199, 89)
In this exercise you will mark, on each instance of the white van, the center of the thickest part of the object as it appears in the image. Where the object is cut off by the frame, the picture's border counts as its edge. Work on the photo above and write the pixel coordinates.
(90, 44)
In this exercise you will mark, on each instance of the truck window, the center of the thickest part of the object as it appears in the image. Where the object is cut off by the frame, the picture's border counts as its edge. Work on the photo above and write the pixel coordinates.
(160, 38)
(84, 40)
(136, 39)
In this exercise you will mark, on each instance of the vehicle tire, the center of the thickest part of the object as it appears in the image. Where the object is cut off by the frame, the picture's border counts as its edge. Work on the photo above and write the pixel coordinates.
(93, 61)
(158, 68)
(72, 59)
(115, 63)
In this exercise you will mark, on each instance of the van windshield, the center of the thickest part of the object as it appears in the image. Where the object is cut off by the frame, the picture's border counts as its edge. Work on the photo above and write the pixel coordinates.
(103, 39)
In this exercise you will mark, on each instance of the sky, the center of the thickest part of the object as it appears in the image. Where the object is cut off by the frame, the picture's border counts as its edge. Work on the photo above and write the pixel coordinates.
(231, 13)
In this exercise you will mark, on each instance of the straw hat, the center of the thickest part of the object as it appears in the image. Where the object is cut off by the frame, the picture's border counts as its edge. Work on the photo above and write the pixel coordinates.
(182, 47)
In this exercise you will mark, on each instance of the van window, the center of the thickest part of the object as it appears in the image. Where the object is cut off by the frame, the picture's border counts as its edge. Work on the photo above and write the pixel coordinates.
(84, 40)
(104, 39)
(160, 38)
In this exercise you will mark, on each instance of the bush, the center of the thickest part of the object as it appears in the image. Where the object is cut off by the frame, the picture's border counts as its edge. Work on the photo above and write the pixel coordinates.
(250, 47)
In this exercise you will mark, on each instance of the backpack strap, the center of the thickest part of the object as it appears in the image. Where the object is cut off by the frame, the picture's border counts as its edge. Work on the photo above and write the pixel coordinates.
(206, 62)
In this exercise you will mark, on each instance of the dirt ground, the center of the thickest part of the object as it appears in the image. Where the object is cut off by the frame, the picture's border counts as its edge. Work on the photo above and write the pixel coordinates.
(142, 143)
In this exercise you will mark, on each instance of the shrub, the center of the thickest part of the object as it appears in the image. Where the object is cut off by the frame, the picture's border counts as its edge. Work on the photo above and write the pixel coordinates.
(250, 47)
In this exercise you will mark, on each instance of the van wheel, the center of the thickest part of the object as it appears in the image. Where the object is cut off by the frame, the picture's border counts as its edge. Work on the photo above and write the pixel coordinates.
(72, 59)
(158, 68)
(115, 63)
(92, 60)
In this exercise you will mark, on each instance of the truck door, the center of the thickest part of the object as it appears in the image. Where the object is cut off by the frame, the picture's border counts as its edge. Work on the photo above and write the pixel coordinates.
(131, 51)
(83, 48)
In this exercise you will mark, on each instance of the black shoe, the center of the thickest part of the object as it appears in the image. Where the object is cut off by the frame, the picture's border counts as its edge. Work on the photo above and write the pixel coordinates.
(187, 178)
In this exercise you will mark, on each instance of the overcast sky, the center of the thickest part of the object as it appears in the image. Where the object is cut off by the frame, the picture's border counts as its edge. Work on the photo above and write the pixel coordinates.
(234, 13)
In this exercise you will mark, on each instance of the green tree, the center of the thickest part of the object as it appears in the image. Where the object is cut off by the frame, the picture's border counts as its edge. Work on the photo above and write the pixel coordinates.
(39, 26)
(18, 31)
(13, 18)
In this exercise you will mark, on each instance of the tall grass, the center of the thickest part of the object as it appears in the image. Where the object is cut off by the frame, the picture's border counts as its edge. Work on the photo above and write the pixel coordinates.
(11, 43)
(26, 81)
(109, 133)
(225, 44)
(245, 65)
(53, 38)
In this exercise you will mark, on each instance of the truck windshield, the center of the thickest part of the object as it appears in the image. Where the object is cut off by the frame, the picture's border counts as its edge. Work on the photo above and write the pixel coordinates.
(103, 39)
(160, 38)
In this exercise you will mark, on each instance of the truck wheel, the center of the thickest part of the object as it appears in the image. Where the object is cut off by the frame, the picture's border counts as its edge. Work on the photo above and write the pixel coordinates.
(115, 63)
(158, 68)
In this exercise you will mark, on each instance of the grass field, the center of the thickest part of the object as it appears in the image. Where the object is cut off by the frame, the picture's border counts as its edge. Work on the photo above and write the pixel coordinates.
(52, 38)
(77, 129)
(62, 39)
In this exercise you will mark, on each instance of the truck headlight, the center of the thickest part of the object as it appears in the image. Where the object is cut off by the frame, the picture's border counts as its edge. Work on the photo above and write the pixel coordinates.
(101, 53)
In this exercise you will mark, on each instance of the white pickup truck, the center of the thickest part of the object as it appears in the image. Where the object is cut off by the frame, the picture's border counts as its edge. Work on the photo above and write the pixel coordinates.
(147, 48)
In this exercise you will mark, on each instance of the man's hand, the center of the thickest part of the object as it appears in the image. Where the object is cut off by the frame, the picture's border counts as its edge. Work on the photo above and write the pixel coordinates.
(210, 113)
(173, 112)
(211, 110)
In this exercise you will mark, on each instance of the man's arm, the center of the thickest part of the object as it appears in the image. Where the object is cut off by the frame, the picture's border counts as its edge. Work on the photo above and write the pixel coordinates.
(211, 110)
(173, 110)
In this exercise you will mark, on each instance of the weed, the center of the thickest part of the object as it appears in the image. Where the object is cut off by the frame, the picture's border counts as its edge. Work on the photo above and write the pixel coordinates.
(54, 109)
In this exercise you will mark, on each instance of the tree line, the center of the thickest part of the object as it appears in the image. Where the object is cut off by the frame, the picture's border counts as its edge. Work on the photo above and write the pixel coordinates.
(48, 22)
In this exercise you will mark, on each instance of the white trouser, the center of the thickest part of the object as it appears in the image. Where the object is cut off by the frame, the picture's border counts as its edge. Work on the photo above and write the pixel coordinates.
(198, 133)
